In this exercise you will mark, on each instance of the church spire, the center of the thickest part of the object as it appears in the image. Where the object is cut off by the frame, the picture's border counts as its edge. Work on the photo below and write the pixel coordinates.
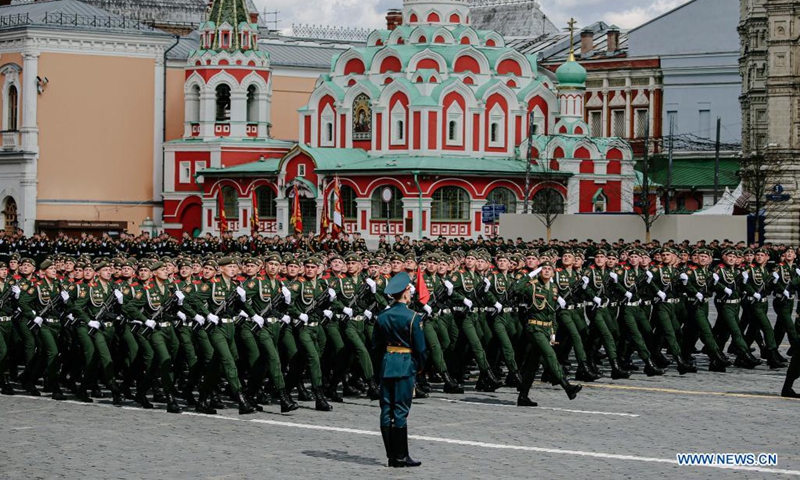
(229, 27)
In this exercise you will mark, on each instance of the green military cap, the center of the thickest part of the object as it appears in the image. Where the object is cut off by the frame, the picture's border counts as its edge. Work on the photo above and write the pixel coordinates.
(748, 251)
(568, 252)
(28, 260)
(612, 254)
(546, 263)
(531, 253)
(374, 262)
(185, 263)
(211, 263)
(352, 257)
(45, 264)
(729, 251)
(15, 256)
(472, 253)
(334, 256)
(156, 265)
(410, 257)
(129, 263)
(312, 260)
(80, 264)
(704, 251)
(100, 264)
(248, 260)
(762, 250)
(166, 259)
(274, 257)
(3, 264)
(601, 251)
(396, 257)
(228, 260)
(501, 256)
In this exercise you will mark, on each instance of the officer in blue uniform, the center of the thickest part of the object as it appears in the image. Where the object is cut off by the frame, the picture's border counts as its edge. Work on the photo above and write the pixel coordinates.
(398, 332)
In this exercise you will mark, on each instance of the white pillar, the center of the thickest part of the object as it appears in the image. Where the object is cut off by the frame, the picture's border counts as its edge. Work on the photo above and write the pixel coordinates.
(30, 98)
(282, 216)
(628, 111)
(209, 205)
(158, 137)
(238, 113)
(605, 107)
(208, 113)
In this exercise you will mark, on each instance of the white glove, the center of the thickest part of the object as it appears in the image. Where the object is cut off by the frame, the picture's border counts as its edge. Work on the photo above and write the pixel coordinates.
(64, 296)
(372, 285)
(775, 277)
(259, 320)
(180, 296)
(119, 296)
(498, 307)
(200, 319)
(244, 314)
(38, 321)
(699, 296)
(425, 307)
(614, 276)
(797, 271)
(468, 302)
(332, 294)
(287, 295)
(628, 295)
(94, 324)
(71, 317)
(449, 287)
(757, 296)
(242, 294)
(181, 315)
(488, 284)
(16, 291)
(286, 319)
(684, 278)
(562, 303)
(213, 319)
(597, 301)
(136, 322)
(553, 339)
(585, 281)
(328, 314)
(303, 318)
(728, 291)
(348, 311)
(413, 289)
(745, 277)
(786, 294)
(662, 295)
(716, 278)
(649, 275)
(535, 272)
(150, 324)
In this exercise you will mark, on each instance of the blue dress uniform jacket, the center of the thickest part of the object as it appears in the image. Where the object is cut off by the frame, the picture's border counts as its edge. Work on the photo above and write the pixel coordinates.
(398, 331)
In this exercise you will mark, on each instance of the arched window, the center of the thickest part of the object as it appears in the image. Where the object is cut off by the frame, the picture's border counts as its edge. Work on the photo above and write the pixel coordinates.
(503, 196)
(10, 220)
(13, 106)
(495, 136)
(230, 201)
(349, 206)
(450, 203)
(267, 207)
(452, 131)
(362, 118)
(252, 104)
(193, 105)
(379, 207)
(223, 103)
(547, 201)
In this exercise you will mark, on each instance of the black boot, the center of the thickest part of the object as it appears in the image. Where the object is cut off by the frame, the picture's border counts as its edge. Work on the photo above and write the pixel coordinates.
(30, 389)
(244, 406)
(400, 446)
(743, 362)
(251, 399)
(57, 393)
(651, 370)
(116, 395)
(512, 380)
(6, 388)
(419, 392)
(592, 367)
(204, 405)
(125, 390)
(287, 404)
(660, 360)
(372, 390)
(787, 390)
(303, 394)
(172, 404)
(752, 358)
(142, 400)
(83, 396)
(484, 384)
(450, 386)
(386, 433)
(683, 367)
(628, 365)
(349, 390)
(96, 392)
(582, 374)
(774, 359)
(332, 393)
(216, 401)
(159, 396)
(616, 372)
(571, 390)
(523, 400)
(322, 404)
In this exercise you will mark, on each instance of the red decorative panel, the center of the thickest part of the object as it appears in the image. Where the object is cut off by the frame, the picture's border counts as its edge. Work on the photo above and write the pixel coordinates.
(509, 66)
(466, 63)
(455, 18)
(222, 129)
(450, 229)
(434, 18)
(391, 64)
(354, 65)
(195, 129)
(252, 130)
(378, 227)
(268, 226)
(428, 63)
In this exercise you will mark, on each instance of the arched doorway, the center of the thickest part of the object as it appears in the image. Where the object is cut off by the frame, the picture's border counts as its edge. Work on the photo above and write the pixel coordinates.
(308, 209)
(10, 215)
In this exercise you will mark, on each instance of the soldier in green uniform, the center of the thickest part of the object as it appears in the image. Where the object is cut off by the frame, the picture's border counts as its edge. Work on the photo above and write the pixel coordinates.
(785, 280)
(26, 335)
(306, 291)
(399, 333)
(727, 300)
(334, 325)
(499, 297)
(542, 295)
(754, 285)
(792, 374)
(6, 311)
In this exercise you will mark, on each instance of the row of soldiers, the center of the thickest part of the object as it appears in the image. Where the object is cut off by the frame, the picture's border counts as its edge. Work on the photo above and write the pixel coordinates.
(261, 328)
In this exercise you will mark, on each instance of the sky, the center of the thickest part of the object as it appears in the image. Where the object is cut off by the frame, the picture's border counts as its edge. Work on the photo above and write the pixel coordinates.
(370, 14)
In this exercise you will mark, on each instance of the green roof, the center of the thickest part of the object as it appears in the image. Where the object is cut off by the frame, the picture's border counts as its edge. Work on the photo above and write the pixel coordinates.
(266, 166)
(697, 173)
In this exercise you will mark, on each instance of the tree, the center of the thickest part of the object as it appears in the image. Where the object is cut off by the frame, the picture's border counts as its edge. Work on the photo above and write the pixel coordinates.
(759, 172)
(647, 206)
(547, 204)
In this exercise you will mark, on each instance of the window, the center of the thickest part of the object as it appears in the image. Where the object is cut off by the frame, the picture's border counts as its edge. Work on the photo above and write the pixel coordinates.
(362, 118)
(642, 121)
(672, 119)
(450, 203)
(380, 208)
(328, 117)
(301, 170)
(455, 125)
(185, 172)
(503, 196)
(398, 124)
(704, 126)
(267, 208)
(329, 132)
(193, 105)
(223, 103)
(230, 201)
(199, 165)
(252, 104)
(452, 130)
(496, 131)
(596, 123)
(349, 206)
(547, 201)
(618, 123)
(13, 106)
(600, 201)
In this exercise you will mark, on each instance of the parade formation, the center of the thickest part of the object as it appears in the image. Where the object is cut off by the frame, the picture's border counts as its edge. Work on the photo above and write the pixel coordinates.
(262, 321)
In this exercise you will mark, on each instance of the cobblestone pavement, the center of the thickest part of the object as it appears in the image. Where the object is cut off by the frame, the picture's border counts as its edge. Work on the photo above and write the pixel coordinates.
(614, 429)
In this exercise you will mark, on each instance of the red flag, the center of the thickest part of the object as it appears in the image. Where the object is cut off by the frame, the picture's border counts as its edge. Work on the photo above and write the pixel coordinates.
(422, 288)
(297, 216)
(223, 221)
(324, 221)
(254, 222)
(338, 210)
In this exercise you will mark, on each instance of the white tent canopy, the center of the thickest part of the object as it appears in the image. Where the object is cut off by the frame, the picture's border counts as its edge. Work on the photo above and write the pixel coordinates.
(725, 205)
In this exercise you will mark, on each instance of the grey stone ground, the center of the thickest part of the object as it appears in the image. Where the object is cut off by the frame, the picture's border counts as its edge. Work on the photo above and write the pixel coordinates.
(738, 411)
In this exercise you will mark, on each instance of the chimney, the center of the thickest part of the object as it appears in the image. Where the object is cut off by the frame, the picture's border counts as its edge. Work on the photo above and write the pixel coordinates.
(253, 17)
(587, 43)
(613, 40)
(394, 18)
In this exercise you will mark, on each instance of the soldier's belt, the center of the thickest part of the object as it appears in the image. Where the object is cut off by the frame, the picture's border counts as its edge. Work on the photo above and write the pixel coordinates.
(50, 320)
(226, 320)
(359, 318)
(539, 323)
(108, 324)
(732, 301)
(460, 309)
(312, 324)
(672, 300)
(394, 349)
(446, 311)
(271, 319)
(782, 297)
(613, 304)
(164, 324)
(5, 319)
(647, 302)
(633, 304)
(753, 299)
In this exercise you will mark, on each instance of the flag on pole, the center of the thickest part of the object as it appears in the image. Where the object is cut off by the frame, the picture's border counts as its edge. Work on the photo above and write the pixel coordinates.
(254, 222)
(338, 209)
(223, 221)
(324, 221)
(423, 293)
(297, 216)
